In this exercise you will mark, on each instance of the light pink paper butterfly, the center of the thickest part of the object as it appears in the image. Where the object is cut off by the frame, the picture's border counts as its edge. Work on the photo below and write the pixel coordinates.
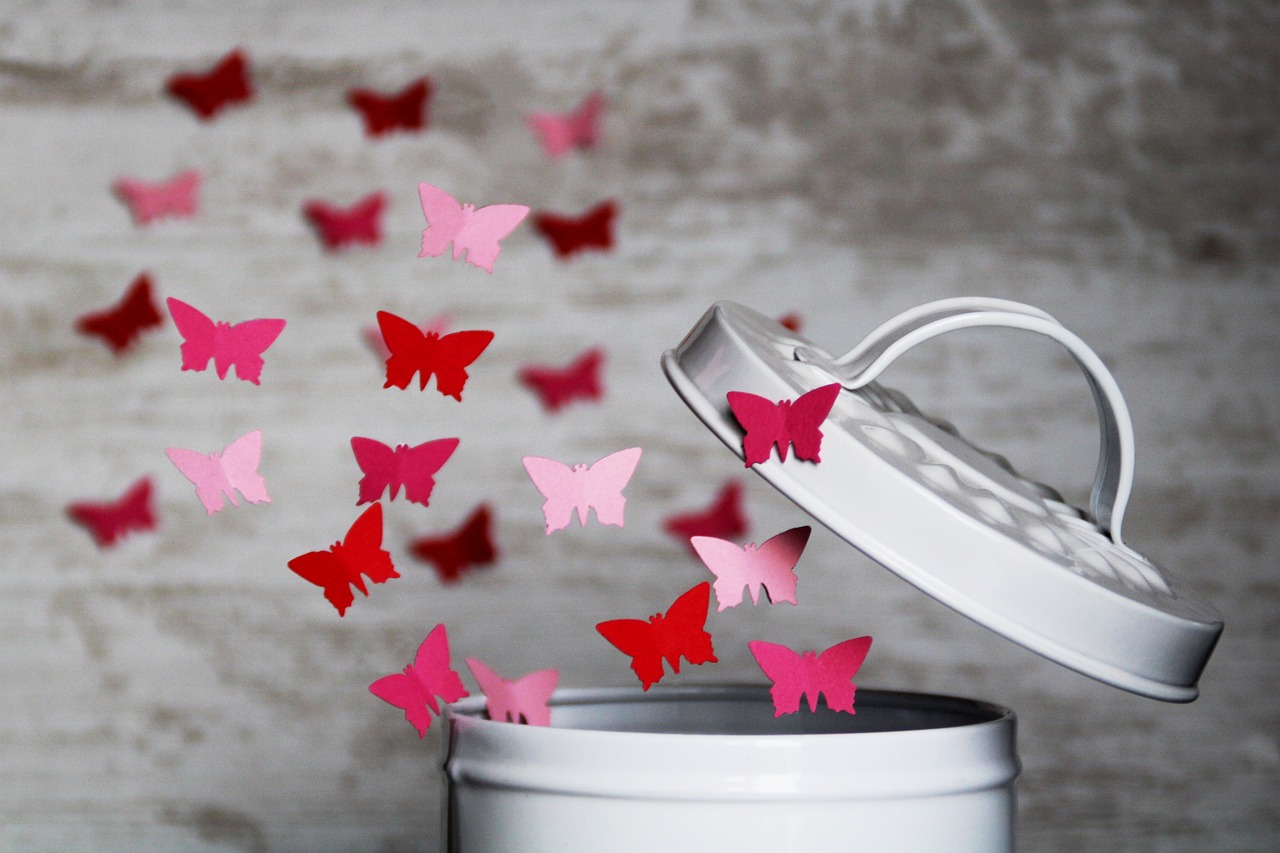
(473, 230)
(797, 674)
(771, 566)
(233, 469)
(415, 689)
(578, 128)
(241, 344)
(176, 197)
(523, 700)
(583, 487)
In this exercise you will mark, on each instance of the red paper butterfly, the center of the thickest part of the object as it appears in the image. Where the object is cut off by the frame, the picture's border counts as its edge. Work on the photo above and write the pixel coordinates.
(438, 324)
(579, 128)
(680, 633)
(413, 351)
(209, 93)
(807, 674)
(556, 387)
(341, 227)
(360, 553)
(523, 700)
(240, 345)
(724, 518)
(177, 197)
(471, 544)
(415, 689)
(111, 521)
(788, 422)
(414, 468)
(123, 323)
(403, 110)
(569, 235)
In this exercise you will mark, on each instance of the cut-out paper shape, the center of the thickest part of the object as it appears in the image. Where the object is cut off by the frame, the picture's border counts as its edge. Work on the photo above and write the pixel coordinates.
(523, 700)
(796, 423)
(413, 351)
(240, 345)
(403, 110)
(436, 325)
(797, 674)
(473, 230)
(177, 198)
(724, 518)
(583, 487)
(359, 553)
(569, 235)
(210, 92)
(679, 633)
(771, 566)
(556, 387)
(791, 321)
(111, 521)
(559, 133)
(121, 325)
(415, 689)
(342, 227)
(466, 547)
(233, 469)
(414, 468)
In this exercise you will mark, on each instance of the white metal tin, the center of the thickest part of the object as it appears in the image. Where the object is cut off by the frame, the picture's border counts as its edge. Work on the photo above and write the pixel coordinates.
(710, 769)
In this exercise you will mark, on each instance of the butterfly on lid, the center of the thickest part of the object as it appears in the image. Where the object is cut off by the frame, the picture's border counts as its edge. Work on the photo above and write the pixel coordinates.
(339, 568)
(210, 92)
(810, 674)
(404, 110)
(121, 325)
(787, 423)
(414, 690)
(240, 345)
(227, 471)
(109, 522)
(343, 227)
(521, 700)
(177, 198)
(475, 231)
(468, 546)
(556, 387)
(569, 235)
(582, 488)
(723, 518)
(559, 133)
(679, 633)
(424, 353)
(770, 566)
(413, 468)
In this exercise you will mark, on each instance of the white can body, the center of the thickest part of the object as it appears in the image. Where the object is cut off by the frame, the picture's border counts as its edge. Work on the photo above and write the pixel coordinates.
(711, 769)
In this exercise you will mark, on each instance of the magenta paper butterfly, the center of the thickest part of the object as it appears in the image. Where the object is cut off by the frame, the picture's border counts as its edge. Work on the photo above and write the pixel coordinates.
(414, 468)
(233, 469)
(240, 345)
(583, 487)
(797, 674)
(475, 231)
(523, 700)
(415, 689)
(771, 566)
(176, 197)
(578, 128)
(787, 422)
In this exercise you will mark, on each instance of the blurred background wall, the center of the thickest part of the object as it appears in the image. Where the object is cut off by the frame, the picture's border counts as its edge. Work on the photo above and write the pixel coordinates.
(1113, 163)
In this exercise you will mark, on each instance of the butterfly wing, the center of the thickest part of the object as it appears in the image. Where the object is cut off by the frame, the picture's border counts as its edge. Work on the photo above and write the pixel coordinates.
(407, 348)
(569, 235)
(210, 92)
(584, 122)
(556, 387)
(603, 482)
(787, 670)
(109, 522)
(240, 464)
(207, 474)
(406, 692)
(804, 420)
(432, 667)
(637, 639)
(378, 464)
(724, 518)
(834, 670)
(326, 569)
(553, 131)
(454, 553)
(416, 468)
(445, 219)
(199, 335)
(763, 423)
(774, 563)
(730, 565)
(562, 490)
(122, 324)
(682, 631)
(362, 549)
(243, 344)
(453, 354)
(483, 228)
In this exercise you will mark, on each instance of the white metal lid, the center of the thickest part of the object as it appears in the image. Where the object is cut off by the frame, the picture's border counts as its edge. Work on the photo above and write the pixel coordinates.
(953, 520)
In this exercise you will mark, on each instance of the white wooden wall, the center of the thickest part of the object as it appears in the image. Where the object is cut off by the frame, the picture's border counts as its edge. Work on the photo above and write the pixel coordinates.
(1114, 165)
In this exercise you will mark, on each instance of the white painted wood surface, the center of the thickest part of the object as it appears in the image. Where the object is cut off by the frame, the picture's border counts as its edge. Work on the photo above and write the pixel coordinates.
(187, 691)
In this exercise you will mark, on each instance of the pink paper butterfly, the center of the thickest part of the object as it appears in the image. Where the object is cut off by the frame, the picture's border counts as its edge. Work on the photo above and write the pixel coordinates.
(473, 230)
(523, 700)
(234, 469)
(583, 487)
(771, 565)
(412, 467)
(430, 675)
(578, 128)
(176, 197)
(807, 674)
(241, 345)
(788, 422)
(111, 521)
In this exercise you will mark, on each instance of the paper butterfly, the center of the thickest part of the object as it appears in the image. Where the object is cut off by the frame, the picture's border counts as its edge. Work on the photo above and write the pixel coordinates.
(122, 324)
(723, 518)
(147, 202)
(475, 231)
(583, 487)
(788, 422)
(342, 227)
(240, 345)
(808, 674)
(209, 93)
(557, 387)
(111, 521)
(403, 110)
(680, 633)
(560, 132)
(233, 469)
(360, 553)
(771, 565)
(569, 235)
(438, 324)
(454, 553)
(415, 689)
(413, 351)
(414, 468)
(523, 700)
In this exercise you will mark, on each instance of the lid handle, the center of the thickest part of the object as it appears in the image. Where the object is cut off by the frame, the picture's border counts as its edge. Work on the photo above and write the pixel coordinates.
(1114, 478)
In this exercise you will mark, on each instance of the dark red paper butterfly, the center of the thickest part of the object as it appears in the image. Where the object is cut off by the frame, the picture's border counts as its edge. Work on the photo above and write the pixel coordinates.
(122, 324)
(342, 227)
(414, 468)
(796, 423)
(403, 110)
(557, 387)
(424, 353)
(360, 553)
(470, 545)
(211, 92)
(110, 522)
(679, 633)
(569, 235)
(723, 519)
